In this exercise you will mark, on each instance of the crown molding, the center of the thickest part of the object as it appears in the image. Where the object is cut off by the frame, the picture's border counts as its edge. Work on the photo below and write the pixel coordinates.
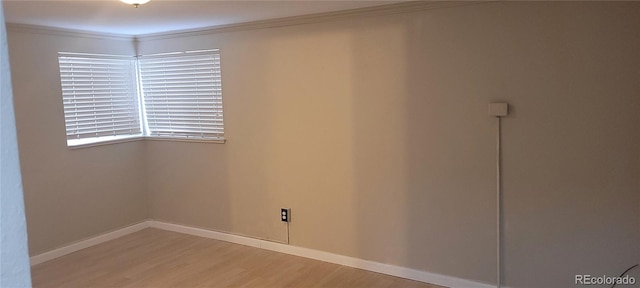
(404, 7)
(46, 30)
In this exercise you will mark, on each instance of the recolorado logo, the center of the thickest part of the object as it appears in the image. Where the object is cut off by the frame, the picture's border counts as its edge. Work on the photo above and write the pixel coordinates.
(608, 280)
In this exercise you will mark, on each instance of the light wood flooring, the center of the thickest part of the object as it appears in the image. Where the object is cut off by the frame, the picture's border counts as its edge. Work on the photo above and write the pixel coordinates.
(157, 258)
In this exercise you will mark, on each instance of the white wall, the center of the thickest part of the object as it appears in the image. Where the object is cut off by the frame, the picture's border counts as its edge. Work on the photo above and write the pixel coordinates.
(14, 257)
(375, 132)
(69, 194)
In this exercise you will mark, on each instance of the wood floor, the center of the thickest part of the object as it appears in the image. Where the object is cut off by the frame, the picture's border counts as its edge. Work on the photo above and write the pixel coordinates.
(157, 258)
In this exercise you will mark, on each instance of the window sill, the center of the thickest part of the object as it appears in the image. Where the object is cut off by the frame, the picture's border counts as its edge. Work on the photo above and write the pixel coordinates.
(105, 142)
(137, 138)
(212, 141)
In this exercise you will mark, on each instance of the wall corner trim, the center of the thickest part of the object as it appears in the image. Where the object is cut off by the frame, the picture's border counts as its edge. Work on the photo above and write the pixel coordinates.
(403, 272)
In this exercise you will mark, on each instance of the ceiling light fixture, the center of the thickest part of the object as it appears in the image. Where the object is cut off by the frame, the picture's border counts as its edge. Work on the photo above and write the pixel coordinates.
(135, 3)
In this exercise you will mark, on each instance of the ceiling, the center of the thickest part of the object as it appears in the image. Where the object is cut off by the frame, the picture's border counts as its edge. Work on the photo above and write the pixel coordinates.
(159, 16)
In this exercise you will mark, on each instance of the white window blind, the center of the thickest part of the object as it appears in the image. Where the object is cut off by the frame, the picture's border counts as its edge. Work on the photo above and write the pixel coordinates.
(182, 95)
(99, 96)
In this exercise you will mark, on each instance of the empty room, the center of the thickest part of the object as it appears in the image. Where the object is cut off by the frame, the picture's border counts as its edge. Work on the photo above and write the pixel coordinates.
(313, 143)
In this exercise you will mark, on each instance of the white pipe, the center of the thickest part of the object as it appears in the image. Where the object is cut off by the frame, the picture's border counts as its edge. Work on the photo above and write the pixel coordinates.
(498, 206)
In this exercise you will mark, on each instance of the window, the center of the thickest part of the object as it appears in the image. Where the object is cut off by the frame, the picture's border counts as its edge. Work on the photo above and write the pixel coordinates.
(182, 95)
(99, 98)
(167, 96)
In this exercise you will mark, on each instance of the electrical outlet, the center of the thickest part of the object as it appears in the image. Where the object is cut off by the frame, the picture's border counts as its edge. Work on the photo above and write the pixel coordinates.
(285, 214)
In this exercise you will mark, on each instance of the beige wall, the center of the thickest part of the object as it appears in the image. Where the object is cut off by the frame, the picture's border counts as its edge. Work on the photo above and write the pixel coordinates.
(328, 120)
(69, 194)
(375, 132)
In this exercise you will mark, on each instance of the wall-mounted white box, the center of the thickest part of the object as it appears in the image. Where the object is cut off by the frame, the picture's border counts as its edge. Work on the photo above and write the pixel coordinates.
(498, 109)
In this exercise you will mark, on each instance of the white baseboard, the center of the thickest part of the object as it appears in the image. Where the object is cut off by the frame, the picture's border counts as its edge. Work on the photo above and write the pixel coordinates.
(392, 270)
(403, 272)
(46, 256)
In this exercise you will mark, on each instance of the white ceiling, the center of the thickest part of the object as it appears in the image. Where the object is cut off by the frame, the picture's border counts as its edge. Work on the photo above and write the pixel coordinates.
(158, 16)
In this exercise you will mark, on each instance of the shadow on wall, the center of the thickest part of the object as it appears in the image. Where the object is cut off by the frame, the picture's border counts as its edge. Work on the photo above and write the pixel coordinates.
(423, 150)
(249, 124)
(301, 138)
(450, 146)
(380, 156)
(374, 144)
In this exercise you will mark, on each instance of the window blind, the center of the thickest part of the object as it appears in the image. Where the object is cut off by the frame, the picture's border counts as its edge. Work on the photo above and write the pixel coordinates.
(182, 95)
(99, 97)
